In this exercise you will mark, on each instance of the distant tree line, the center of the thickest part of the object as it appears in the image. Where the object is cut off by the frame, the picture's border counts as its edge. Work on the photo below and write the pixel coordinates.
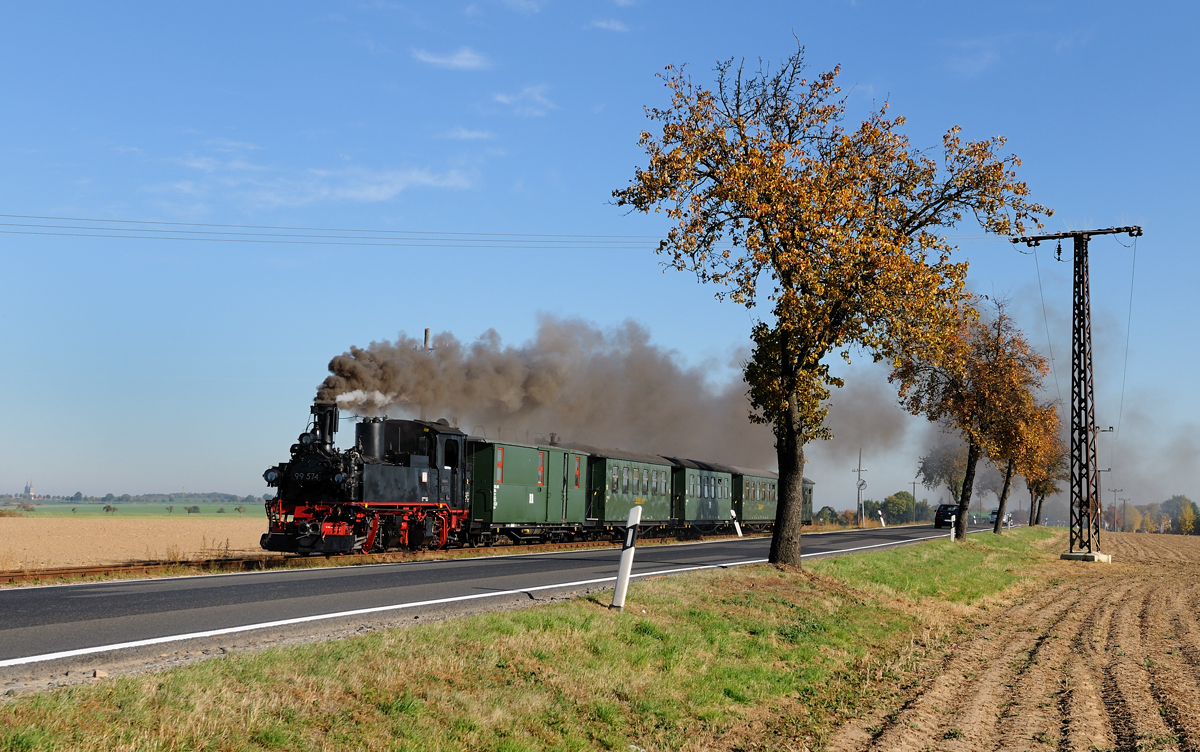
(1178, 515)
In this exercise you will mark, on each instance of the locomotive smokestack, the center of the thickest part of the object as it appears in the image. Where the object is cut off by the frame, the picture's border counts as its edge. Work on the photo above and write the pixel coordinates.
(426, 350)
(326, 420)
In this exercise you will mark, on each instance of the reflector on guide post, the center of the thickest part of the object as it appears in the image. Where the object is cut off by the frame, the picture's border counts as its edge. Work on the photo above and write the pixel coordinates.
(631, 530)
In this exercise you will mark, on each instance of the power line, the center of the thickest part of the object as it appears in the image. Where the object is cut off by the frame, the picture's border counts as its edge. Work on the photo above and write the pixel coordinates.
(1046, 319)
(310, 229)
(1125, 368)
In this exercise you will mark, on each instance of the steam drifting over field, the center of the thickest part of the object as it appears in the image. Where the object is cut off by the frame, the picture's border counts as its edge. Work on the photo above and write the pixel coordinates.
(604, 388)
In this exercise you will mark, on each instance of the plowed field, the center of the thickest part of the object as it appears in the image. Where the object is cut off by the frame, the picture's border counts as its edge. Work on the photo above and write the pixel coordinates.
(1103, 657)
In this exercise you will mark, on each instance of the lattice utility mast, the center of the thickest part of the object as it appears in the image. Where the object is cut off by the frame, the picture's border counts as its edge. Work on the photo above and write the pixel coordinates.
(1085, 473)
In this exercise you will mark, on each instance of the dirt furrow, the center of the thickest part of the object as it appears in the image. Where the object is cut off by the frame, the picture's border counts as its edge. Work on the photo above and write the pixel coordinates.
(1173, 674)
(959, 708)
(1128, 696)
(1085, 724)
(1034, 714)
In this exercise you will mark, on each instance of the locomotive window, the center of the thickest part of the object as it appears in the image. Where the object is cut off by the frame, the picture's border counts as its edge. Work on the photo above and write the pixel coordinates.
(499, 464)
(541, 468)
(577, 465)
(615, 478)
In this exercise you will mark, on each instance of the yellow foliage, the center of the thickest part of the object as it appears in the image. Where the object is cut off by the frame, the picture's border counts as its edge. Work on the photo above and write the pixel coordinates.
(774, 199)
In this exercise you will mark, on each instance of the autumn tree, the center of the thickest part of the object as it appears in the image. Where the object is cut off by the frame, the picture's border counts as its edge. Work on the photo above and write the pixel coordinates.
(1043, 478)
(983, 383)
(774, 199)
(944, 463)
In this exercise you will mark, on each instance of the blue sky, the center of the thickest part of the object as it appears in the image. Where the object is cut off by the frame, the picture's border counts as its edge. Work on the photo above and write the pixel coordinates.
(144, 366)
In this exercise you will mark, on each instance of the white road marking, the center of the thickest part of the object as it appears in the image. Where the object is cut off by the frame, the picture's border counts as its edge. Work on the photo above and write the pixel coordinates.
(399, 606)
(339, 614)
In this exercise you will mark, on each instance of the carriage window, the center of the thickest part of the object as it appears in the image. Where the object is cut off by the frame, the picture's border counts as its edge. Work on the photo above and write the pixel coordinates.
(645, 482)
(499, 464)
(578, 460)
(625, 479)
(657, 482)
(635, 480)
(541, 468)
(616, 477)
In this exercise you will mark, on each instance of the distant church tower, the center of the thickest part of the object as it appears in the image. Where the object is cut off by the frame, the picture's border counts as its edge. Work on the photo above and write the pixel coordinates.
(29, 490)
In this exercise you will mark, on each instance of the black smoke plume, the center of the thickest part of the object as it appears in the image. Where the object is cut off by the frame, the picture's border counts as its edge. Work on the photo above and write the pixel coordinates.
(611, 389)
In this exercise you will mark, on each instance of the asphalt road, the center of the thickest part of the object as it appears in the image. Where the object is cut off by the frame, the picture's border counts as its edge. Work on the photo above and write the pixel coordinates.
(39, 624)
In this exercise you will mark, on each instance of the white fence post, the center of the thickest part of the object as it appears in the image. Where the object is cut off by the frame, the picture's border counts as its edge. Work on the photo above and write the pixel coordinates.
(953, 518)
(736, 526)
(631, 530)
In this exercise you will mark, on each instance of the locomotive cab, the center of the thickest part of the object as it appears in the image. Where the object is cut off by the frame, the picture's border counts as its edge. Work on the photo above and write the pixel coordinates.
(402, 484)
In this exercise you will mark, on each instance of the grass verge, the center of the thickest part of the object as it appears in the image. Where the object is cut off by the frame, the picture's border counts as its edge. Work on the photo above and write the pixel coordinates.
(748, 658)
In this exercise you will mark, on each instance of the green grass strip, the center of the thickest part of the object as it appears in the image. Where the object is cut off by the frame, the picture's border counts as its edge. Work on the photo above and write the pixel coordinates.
(695, 659)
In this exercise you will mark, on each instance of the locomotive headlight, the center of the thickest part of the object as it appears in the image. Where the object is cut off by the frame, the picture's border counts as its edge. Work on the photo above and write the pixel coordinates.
(306, 439)
(270, 476)
(338, 478)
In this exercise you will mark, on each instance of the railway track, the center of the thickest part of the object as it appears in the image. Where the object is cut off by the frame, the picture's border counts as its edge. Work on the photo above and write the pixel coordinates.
(265, 562)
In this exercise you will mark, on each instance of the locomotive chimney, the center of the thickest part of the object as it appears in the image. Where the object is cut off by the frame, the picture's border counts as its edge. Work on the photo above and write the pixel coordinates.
(426, 351)
(553, 438)
(326, 420)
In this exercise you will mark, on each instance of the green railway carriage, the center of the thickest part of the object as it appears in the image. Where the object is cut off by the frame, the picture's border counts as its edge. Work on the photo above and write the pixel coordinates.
(756, 496)
(702, 493)
(527, 485)
(621, 480)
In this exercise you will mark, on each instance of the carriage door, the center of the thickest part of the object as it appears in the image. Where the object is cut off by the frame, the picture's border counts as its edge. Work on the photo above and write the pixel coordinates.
(451, 475)
(565, 480)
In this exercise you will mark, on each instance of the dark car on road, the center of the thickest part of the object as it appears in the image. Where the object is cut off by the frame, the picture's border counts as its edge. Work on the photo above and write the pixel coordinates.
(943, 514)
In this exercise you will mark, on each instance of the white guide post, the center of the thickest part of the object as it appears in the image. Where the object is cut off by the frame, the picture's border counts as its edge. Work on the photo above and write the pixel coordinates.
(881, 522)
(953, 517)
(736, 526)
(631, 530)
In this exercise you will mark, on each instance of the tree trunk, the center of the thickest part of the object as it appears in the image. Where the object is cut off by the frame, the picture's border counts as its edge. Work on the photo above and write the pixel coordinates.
(964, 501)
(789, 515)
(1008, 472)
(1032, 508)
(1040, 503)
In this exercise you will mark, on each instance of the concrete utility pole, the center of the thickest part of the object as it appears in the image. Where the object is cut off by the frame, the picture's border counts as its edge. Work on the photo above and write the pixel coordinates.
(1085, 480)
(861, 484)
(1116, 491)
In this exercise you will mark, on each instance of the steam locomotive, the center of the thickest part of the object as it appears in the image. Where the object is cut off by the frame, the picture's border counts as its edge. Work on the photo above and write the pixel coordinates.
(416, 483)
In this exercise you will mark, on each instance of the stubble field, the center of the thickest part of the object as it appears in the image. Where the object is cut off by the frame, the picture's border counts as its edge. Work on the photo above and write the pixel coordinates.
(33, 542)
(1096, 657)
